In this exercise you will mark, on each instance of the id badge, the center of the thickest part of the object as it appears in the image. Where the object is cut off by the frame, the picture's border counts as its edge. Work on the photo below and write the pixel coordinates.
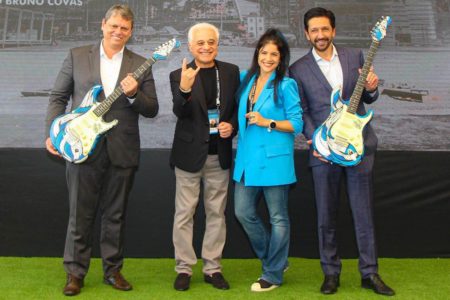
(213, 117)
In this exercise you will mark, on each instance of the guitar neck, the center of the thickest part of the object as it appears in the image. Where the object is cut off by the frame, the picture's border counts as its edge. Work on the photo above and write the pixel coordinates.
(356, 96)
(105, 105)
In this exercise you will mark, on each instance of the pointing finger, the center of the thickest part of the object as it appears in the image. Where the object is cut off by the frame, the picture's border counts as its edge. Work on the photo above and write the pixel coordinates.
(184, 65)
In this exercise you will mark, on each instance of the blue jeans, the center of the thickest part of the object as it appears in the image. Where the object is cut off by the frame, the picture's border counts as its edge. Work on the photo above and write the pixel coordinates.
(271, 247)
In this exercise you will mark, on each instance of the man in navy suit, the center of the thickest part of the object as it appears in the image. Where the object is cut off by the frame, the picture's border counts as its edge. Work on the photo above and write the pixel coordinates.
(317, 73)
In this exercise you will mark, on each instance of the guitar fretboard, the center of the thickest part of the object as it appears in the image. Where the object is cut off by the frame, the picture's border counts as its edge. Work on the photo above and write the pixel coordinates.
(356, 96)
(105, 105)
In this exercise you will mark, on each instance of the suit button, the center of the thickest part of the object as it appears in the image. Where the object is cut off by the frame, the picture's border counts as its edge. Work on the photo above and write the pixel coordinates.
(207, 141)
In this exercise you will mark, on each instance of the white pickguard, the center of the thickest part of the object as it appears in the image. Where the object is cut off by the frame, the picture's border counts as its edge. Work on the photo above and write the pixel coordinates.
(347, 129)
(87, 127)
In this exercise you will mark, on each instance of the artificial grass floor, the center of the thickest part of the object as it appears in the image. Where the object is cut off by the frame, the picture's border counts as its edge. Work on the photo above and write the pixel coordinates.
(44, 278)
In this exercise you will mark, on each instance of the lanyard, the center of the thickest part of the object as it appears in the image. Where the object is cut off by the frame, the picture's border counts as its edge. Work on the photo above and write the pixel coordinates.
(218, 89)
(251, 97)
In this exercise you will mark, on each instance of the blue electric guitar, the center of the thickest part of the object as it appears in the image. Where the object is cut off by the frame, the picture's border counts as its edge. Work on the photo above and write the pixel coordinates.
(340, 138)
(75, 134)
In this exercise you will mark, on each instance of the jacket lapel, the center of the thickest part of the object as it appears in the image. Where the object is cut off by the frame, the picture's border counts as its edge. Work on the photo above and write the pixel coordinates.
(94, 68)
(266, 93)
(222, 84)
(94, 63)
(317, 72)
(243, 102)
(343, 59)
(125, 66)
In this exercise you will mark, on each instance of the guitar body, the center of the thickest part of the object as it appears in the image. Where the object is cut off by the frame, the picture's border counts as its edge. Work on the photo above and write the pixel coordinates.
(76, 133)
(340, 138)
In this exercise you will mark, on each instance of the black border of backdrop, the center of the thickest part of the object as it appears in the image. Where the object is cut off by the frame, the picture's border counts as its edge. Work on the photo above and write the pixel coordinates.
(412, 208)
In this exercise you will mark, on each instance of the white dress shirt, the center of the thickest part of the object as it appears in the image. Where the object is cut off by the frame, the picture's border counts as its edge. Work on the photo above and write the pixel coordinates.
(109, 69)
(331, 69)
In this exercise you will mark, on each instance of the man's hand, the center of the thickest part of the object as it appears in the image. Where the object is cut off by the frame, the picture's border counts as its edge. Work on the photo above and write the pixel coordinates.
(371, 81)
(129, 85)
(317, 154)
(50, 148)
(225, 129)
(187, 76)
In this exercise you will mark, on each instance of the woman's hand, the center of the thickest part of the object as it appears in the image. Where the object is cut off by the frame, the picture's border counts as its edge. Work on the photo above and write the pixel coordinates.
(255, 117)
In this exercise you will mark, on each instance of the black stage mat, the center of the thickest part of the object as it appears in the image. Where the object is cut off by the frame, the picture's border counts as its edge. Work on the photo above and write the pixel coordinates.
(412, 208)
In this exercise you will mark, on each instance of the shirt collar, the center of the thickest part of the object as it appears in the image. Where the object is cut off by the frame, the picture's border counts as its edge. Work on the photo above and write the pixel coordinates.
(117, 55)
(318, 58)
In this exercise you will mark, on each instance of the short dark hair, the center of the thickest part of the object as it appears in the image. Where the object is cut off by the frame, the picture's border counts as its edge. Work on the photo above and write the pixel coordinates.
(319, 12)
(123, 10)
(272, 35)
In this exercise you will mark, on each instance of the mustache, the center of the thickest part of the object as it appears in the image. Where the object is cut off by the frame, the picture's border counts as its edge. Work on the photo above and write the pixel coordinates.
(322, 39)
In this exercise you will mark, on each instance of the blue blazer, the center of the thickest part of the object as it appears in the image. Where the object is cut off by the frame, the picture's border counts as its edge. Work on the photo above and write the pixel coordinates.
(266, 158)
(315, 92)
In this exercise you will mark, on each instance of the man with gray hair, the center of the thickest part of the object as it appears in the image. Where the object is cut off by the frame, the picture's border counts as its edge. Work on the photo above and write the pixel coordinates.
(203, 101)
(103, 182)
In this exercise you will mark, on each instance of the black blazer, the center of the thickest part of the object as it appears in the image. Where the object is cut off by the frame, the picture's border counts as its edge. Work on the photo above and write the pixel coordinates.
(79, 73)
(191, 139)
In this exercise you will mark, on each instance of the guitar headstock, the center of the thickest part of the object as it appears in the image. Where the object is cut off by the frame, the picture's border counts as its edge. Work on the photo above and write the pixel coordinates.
(379, 30)
(162, 51)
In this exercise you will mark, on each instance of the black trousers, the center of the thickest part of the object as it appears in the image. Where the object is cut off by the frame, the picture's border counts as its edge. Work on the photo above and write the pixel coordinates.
(96, 185)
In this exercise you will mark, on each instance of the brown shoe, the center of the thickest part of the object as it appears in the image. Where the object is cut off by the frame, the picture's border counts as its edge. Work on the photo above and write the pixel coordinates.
(73, 285)
(118, 282)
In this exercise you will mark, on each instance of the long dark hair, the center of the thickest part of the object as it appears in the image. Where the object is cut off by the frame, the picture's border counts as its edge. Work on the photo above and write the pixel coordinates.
(274, 36)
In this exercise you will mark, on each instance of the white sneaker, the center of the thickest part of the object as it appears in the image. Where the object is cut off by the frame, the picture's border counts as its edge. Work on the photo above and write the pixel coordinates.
(262, 286)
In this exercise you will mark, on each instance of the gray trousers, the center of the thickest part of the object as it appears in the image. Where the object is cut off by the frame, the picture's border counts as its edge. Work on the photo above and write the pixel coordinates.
(96, 186)
(215, 187)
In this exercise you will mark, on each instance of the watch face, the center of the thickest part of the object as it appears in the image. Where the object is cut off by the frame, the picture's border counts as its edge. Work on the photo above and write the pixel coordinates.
(273, 124)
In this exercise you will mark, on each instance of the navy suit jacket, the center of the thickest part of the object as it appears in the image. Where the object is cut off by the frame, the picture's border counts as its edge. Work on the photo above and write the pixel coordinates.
(315, 92)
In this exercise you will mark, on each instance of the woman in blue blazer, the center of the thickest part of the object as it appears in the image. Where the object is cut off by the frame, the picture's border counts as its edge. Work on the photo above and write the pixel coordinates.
(269, 117)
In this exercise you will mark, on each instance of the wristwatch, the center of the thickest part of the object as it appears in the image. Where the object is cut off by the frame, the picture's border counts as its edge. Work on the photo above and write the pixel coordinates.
(272, 125)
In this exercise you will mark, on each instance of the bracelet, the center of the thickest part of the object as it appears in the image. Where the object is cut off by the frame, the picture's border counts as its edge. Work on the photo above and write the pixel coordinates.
(185, 91)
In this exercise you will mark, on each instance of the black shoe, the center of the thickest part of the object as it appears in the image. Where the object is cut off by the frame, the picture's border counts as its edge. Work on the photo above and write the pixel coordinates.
(330, 284)
(375, 283)
(182, 282)
(217, 280)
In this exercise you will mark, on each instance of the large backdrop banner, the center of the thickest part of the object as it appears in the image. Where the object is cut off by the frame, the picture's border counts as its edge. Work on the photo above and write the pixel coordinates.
(413, 61)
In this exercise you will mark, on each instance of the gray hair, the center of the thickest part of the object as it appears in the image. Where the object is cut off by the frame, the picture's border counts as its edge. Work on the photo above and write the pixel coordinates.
(199, 26)
(123, 10)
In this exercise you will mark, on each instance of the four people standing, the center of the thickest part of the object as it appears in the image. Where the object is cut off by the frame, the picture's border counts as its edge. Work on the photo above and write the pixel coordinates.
(211, 107)
(324, 68)
(269, 118)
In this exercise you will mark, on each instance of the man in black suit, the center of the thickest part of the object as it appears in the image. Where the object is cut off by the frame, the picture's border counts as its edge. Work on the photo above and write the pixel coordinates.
(317, 73)
(105, 179)
(203, 101)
